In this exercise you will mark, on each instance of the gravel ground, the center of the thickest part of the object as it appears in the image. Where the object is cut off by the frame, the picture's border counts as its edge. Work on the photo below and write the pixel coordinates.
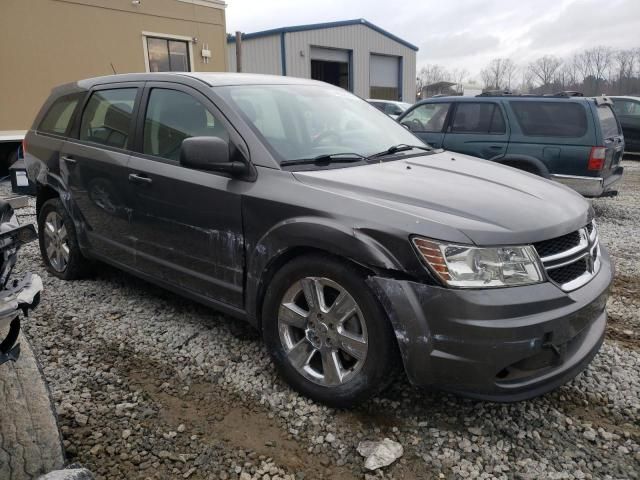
(149, 385)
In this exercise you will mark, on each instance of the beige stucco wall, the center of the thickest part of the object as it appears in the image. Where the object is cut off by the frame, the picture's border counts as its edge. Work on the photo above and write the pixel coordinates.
(44, 43)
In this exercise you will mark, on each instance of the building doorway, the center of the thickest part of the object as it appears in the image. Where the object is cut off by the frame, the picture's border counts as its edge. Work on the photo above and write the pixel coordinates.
(332, 66)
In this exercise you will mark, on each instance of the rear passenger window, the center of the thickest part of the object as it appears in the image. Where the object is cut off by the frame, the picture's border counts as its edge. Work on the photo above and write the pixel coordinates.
(58, 117)
(551, 119)
(173, 116)
(107, 117)
(608, 122)
(478, 118)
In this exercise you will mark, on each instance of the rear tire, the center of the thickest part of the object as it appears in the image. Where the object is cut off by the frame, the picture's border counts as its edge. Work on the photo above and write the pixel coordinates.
(339, 352)
(58, 242)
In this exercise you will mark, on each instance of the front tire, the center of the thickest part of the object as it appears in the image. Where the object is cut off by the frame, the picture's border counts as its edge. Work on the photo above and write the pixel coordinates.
(58, 242)
(327, 334)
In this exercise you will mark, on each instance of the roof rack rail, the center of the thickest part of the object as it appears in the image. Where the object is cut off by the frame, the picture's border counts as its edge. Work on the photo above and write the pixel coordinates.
(496, 93)
(569, 93)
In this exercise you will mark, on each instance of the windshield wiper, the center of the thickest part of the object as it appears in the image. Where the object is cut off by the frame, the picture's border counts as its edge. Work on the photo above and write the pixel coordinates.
(327, 158)
(401, 147)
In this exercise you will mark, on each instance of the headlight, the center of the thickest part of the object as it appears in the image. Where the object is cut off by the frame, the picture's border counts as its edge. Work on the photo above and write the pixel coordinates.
(474, 267)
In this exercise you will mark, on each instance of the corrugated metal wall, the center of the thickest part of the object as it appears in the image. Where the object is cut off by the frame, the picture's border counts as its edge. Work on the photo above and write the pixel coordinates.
(262, 55)
(363, 41)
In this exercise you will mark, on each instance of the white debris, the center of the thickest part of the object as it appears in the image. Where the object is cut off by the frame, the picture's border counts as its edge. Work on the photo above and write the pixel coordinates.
(380, 454)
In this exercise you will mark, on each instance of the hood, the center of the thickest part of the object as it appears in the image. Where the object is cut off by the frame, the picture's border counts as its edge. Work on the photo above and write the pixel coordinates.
(490, 204)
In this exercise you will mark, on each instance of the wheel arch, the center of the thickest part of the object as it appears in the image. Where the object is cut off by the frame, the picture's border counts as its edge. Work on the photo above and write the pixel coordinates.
(291, 240)
(525, 163)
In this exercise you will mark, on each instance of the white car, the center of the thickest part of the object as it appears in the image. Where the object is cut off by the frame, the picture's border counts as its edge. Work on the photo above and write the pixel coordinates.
(391, 108)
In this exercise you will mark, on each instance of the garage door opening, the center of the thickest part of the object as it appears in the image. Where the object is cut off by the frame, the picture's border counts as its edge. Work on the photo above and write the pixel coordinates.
(384, 77)
(331, 65)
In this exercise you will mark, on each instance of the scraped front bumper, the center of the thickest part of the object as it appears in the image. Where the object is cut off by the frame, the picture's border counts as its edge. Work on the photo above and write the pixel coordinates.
(504, 344)
(20, 296)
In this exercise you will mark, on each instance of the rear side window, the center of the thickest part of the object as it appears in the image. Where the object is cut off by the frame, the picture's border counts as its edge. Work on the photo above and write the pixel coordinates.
(58, 117)
(107, 117)
(551, 119)
(478, 118)
(608, 122)
(428, 117)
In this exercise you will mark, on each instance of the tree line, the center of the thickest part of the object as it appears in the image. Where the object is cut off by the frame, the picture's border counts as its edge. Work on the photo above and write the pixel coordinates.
(594, 71)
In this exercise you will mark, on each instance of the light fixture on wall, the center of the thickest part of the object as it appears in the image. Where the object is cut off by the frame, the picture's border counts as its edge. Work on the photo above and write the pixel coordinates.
(136, 2)
(206, 53)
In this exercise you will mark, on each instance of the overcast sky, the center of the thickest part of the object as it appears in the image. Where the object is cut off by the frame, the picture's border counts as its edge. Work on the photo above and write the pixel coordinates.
(463, 33)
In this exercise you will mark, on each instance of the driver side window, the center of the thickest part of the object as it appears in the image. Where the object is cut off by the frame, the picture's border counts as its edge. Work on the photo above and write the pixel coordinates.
(429, 117)
(173, 116)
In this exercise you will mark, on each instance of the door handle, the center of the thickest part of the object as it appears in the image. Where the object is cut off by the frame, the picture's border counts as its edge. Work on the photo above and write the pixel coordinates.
(139, 179)
(496, 147)
(69, 160)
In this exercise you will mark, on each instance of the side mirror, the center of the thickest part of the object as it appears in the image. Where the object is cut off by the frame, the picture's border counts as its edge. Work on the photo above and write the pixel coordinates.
(210, 153)
(407, 125)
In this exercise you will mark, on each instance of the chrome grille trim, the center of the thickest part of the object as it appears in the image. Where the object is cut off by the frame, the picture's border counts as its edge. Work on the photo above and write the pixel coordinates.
(588, 250)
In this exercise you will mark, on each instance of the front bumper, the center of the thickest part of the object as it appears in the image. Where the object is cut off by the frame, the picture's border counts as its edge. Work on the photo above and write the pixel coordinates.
(590, 186)
(504, 344)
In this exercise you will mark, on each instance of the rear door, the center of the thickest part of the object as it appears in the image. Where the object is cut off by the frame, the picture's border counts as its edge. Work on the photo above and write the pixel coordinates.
(427, 122)
(95, 163)
(478, 129)
(612, 138)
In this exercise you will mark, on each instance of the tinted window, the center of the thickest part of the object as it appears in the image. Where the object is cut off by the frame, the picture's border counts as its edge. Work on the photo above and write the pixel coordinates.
(173, 116)
(429, 117)
(167, 55)
(478, 118)
(551, 119)
(107, 117)
(608, 122)
(58, 117)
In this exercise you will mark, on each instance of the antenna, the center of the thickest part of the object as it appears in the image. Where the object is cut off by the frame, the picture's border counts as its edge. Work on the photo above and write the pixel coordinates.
(113, 68)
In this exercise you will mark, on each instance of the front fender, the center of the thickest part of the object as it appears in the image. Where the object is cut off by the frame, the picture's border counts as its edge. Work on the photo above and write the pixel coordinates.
(310, 233)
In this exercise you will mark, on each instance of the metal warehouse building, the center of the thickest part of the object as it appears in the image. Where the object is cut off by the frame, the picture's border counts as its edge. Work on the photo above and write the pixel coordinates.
(353, 54)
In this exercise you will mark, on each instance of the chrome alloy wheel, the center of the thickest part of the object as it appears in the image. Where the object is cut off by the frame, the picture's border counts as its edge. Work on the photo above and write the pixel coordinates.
(323, 331)
(56, 241)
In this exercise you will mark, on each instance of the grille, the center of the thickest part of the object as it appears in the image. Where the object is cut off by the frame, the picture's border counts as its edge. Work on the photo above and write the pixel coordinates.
(558, 245)
(572, 259)
(569, 272)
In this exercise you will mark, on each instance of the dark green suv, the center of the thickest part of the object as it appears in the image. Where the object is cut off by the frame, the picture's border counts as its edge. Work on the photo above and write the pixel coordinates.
(573, 140)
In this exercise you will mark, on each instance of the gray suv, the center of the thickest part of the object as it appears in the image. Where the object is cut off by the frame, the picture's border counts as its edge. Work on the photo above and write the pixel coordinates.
(300, 208)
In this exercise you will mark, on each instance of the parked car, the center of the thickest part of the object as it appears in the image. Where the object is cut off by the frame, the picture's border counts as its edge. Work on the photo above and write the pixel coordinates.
(391, 108)
(628, 111)
(573, 140)
(300, 208)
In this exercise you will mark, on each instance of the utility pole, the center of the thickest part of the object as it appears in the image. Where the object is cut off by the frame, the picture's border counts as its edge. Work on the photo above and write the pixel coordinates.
(238, 51)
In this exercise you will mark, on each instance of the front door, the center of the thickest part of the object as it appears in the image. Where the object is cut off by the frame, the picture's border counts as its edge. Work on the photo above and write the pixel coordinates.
(186, 223)
(95, 164)
(477, 129)
(427, 122)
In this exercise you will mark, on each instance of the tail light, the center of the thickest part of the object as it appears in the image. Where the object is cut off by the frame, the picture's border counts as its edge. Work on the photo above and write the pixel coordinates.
(596, 158)
(24, 147)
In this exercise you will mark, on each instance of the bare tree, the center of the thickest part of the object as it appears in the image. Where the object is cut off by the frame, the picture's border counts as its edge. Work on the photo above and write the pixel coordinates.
(432, 73)
(459, 76)
(624, 61)
(498, 74)
(545, 69)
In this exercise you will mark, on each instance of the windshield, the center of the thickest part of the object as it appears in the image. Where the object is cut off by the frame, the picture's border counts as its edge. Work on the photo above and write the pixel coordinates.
(306, 121)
